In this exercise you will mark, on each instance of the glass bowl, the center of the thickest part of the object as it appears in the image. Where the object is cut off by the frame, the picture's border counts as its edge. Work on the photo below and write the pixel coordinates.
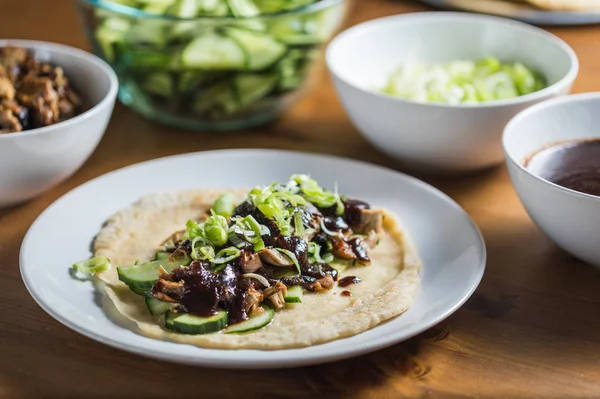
(211, 73)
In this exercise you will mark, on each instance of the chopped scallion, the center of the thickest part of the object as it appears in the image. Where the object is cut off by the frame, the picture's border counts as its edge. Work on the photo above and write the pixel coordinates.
(292, 257)
(224, 205)
(225, 255)
(92, 266)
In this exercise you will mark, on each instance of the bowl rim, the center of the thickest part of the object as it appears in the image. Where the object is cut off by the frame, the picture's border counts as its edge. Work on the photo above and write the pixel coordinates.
(85, 57)
(517, 119)
(567, 79)
(137, 13)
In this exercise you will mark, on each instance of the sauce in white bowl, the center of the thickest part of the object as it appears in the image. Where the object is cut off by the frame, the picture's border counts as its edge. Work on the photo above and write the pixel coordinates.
(570, 217)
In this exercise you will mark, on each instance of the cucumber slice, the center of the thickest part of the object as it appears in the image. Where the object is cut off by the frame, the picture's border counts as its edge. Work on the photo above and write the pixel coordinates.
(308, 29)
(148, 32)
(290, 70)
(189, 324)
(158, 7)
(253, 323)
(251, 24)
(291, 31)
(110, 34)
(214, 51)
(282, 272)
(243, 8)
(252, 87)
(262, 50)
(184, 9)
(144, 58)
(294, 294)
(217, 98)
(143, 277)
(156, 306)
(270, 6)
(189, 81)
(159, 84)
(162, 255)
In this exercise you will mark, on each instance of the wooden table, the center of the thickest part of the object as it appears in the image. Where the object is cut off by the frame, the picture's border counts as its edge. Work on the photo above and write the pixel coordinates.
(532, 329)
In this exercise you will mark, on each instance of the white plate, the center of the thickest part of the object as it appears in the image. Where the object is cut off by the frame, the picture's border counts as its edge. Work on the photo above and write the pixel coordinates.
(449, 243)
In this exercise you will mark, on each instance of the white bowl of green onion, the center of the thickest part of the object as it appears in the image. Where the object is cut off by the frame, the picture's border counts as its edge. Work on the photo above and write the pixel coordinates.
(435, 90)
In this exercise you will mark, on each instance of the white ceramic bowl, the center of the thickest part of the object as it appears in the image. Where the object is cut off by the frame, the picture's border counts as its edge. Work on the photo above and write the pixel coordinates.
(35, 160)
(570, 218)
(430, 136)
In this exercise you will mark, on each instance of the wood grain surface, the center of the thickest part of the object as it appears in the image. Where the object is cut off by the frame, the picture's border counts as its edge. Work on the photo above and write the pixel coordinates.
(531, 330)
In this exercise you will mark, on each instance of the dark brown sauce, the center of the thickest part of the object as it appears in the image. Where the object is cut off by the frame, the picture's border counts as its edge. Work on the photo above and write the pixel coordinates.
(359, 250)
(574, 165)
(346, 281)
(346, 293)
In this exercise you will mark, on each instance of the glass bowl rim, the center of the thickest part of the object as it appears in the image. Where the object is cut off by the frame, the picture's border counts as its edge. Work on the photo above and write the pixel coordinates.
(137, 13)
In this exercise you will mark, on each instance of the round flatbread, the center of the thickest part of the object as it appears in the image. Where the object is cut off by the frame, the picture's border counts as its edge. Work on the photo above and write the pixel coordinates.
(134, 233)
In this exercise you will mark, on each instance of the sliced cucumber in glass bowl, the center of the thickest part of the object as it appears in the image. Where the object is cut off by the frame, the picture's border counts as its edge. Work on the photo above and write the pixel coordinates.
(211, 64)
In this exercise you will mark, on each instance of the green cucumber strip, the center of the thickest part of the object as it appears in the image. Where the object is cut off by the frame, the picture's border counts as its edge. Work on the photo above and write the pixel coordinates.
(253, 323)
(185, 323)
(270, 6)
(290, 30)
(219, 97)
(151, 59)
(184, 9)
(141, 292)
(159, 84)
(110, 34)
(156, 306)
(282, 272)
(162, 255)
(143, 277)
(213, 51)
(290, 69)
(294, 294)
(243, 8)
(252, 87)
(262, 50)
(159, 7)
(189, 81)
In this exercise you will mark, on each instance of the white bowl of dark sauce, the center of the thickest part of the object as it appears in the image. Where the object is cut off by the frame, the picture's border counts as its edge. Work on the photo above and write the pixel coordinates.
(553, 156)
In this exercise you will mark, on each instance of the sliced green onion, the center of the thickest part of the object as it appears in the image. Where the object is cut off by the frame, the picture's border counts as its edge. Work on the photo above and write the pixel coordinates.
(202, 249)
(254, 226)
(224, 205)
(292, 257)
(251, 230)
(215, 229)
(298, 223)
(226, 255)
(193, 230)
(285, 227)
(258, 277)
(299, 179)
(264, 230)
(293, 199)
(235, 240)
(339, 210)
(314, 251)
(92, 266)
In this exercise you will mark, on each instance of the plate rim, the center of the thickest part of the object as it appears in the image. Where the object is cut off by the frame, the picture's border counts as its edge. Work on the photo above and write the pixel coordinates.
(535, 17)
(264, 363)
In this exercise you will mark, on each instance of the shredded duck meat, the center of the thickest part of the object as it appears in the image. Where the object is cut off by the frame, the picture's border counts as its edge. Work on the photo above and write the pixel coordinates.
(33, 93)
